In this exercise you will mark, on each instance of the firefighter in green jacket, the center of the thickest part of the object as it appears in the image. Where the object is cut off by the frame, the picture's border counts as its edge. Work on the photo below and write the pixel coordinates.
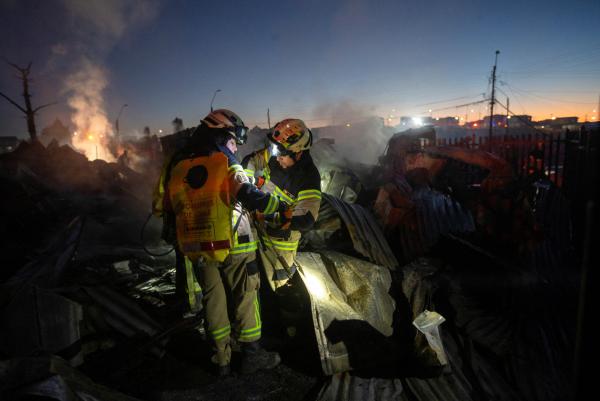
(286, 169)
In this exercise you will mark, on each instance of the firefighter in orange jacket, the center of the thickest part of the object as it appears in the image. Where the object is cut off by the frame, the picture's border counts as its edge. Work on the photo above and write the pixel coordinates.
(200, 195)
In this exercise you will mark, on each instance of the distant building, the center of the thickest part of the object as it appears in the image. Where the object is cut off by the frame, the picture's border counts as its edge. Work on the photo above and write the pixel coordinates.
(557, 122)
(499, 121)
(445, 122)
(520, 121)
(8, 143)
(474, 124)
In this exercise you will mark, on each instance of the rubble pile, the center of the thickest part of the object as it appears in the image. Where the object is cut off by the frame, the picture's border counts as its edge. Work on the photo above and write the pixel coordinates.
(83, 297)
(479, 245)
(433, 232)
(49, 186)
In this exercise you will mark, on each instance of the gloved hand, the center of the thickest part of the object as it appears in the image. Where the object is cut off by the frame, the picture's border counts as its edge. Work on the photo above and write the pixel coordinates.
(285, 218)
(280, 220)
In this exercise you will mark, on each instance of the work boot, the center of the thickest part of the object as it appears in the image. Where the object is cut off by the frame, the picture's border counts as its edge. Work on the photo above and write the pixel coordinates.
(224, 371)
(255, 358)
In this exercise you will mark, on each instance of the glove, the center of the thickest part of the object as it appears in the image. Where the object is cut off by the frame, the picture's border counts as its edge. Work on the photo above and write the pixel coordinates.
(259, 182)
(278, 220)
(286, 218)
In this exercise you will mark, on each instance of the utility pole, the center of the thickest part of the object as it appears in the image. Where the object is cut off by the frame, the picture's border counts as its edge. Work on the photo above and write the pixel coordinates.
(507, 114)
(213, 99)
(268, 118)
(492, 101)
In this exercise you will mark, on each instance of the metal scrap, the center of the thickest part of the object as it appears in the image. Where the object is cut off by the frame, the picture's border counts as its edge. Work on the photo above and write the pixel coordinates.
(50, 378)
(351, 289)
(367, 237)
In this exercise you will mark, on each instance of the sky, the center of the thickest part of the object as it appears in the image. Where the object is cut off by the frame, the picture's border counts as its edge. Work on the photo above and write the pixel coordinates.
(327, 62)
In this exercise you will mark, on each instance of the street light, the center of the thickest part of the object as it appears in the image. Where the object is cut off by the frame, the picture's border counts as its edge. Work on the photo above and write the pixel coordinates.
(213, 99)
(119, 115)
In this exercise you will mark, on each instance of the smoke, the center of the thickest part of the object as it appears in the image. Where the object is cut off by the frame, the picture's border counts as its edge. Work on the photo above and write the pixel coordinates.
(85, 87)
(342, 112)
(97, 27)
(108, 21)
(360, 136)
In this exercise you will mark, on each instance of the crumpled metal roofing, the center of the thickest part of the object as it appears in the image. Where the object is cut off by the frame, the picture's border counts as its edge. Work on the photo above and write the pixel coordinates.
(367, 236)
(533, 367)
(357, 290)
(437, 214)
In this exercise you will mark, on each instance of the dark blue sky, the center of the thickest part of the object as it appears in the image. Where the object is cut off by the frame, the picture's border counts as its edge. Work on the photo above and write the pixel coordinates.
(324, 61)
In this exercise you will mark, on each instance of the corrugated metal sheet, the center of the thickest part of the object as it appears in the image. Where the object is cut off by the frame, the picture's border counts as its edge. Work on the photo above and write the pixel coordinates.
(51, 378)
(47, 270)
(37, 320)
(344, 386)
(437, 214)
(124, 315)
(352, 289)
(367, 237)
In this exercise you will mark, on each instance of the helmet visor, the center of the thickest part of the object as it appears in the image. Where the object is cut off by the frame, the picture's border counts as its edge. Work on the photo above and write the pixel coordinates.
(278, 149)
(241, 134)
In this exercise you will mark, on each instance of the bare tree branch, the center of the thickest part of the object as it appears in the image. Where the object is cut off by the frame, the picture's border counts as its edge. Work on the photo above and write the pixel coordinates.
(28, 109)
(23, 71)
(16, 67)
(13, 103)
(43, 106)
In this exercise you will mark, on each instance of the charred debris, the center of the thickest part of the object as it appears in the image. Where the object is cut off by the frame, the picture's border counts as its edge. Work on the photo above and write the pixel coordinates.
(445, 274)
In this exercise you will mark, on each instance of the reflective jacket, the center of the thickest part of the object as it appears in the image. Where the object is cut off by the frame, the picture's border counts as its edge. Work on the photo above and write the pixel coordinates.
(244, 195)
(299, 186)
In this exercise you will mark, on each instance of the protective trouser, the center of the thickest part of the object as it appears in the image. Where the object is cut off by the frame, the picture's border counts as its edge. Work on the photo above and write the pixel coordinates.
(271, 251)
(231, 277)
(187, 288)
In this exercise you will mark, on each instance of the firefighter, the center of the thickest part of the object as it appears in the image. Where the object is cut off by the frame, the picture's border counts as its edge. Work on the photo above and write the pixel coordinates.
(286, 169)
(200, 196)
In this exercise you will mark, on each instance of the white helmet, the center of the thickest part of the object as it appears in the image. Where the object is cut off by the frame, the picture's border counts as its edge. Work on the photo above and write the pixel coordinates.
(291, 134)
(229, 121)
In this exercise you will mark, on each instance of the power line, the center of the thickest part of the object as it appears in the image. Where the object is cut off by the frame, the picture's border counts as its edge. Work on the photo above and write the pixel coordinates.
(547, 61)
(514, 96)
(531, 93)
(526, 122)
(449, 100)
(536, 99)
(461, 105)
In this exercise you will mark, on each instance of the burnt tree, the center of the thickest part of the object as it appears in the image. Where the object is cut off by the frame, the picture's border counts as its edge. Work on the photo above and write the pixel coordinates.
(28, 110)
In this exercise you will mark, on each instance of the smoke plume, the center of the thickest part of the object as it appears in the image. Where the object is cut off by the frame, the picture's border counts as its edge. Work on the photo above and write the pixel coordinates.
(360, 136)
(97, 27)
(85, 87)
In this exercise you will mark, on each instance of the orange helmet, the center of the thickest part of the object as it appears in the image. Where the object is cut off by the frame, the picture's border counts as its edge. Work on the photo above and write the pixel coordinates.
(229, 121)
(292, 135)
